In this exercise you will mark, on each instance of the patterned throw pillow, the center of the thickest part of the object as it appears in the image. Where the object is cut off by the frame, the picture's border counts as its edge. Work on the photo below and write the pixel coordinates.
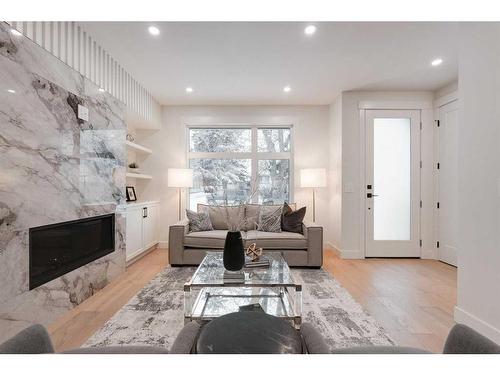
(291, 220)
(199, 221)
(270, 219)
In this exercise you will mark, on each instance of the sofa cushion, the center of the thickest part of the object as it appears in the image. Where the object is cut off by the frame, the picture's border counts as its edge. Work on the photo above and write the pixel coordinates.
(272, 240)
(199, 221)
(291, 220)
(213, 239)
(270, 219)
(252, 216)
(221, 215)
(252, 213)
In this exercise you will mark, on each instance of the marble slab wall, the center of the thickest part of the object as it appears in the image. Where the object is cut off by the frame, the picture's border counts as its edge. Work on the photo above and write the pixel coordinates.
(54, 167)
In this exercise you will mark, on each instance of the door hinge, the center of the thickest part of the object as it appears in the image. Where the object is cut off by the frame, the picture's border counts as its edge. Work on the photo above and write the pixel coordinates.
(420, 204)
(420, 125)
(420, 164)
(420, 243)
(437, 204)
(437, 244)
(437, 122)
(438, 165)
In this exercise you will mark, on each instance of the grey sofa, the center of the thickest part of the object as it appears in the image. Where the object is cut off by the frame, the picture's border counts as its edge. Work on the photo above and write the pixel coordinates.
(299, 249)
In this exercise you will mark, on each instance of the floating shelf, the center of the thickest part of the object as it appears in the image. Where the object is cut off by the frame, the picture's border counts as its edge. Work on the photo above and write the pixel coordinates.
(138, 148)
(138, 175)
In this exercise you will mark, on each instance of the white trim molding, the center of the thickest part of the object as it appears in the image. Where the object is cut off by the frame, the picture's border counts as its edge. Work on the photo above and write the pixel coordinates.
(352, 254)
(484, 328)
(71, 44)
(448, 98)
(425, 106)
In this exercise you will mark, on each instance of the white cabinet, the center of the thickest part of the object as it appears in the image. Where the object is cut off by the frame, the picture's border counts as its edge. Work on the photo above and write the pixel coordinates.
(142, 227)
(150, 226)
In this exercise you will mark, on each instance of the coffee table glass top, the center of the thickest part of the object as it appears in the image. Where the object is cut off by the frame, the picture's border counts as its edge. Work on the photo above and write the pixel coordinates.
(211, 272)
(207, 296)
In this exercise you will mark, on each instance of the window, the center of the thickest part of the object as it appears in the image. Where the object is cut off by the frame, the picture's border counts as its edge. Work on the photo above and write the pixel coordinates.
(230, 163)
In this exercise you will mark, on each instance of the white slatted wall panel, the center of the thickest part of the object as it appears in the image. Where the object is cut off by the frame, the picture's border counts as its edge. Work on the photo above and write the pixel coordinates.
(71, 44)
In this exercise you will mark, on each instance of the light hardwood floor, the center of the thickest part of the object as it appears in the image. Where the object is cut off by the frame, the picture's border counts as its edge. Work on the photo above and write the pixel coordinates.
(412, 299)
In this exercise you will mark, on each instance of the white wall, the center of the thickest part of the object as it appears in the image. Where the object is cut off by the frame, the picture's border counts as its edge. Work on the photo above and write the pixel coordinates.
(352, 236)
(335, 173)
(70, 43)
(479, 178)
(311, 149)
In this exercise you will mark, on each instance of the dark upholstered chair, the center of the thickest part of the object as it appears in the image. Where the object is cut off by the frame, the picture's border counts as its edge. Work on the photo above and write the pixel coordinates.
(461, 340)
(36, 340)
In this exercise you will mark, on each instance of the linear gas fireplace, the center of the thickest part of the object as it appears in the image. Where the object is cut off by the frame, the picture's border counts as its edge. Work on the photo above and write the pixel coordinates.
(57, 249)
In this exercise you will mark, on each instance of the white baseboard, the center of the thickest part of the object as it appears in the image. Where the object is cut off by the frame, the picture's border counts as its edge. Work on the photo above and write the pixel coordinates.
(344, 254)
(429, 254)
(486, 329)
(333, 248)
(351, 254)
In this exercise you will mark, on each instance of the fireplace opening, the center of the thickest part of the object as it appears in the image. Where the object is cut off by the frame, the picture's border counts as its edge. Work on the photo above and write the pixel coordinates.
(57, 249)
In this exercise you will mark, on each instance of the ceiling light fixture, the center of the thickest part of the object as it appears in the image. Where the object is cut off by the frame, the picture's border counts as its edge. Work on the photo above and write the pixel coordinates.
(153, 30)
(286, 89)
(11, 91)
(310, 30)
(436, 62)
(189, 89)
(15, 32)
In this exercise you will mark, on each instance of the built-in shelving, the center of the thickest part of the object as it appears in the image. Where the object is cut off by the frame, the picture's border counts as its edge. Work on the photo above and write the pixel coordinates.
(139, 176)
(138, 148)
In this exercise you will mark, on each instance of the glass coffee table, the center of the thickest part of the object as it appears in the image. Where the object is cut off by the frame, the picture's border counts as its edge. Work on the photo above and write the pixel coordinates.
(207, 296)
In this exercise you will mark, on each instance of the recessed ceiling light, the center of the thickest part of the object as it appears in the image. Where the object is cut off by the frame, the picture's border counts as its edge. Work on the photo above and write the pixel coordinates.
(310, 30)
(11, 91)
(153, 30)
(15, 32)
(436, 62)
(286, 89)
(101, 89)
(189, 89)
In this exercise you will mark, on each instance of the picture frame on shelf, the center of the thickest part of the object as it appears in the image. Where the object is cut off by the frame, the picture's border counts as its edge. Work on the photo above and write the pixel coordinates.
(131, 196)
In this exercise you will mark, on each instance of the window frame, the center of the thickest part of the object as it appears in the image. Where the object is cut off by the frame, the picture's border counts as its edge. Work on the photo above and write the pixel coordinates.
(254, 155)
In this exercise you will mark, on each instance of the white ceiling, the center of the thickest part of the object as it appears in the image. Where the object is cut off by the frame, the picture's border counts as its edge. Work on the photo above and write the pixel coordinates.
(251, 62)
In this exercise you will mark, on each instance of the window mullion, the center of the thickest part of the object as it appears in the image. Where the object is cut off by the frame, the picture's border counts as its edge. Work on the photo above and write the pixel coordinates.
(254, 164)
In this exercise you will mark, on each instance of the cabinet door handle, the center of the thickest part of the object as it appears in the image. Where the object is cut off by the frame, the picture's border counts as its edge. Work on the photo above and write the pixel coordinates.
(144, 212)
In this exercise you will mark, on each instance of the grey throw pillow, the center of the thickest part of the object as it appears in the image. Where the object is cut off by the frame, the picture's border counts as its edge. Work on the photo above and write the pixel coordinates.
(221, 216)
(199, 221)
(270, 219)
(291, 221)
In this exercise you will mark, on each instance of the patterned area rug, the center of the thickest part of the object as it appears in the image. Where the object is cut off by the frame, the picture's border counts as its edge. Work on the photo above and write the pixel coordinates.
(155, 315)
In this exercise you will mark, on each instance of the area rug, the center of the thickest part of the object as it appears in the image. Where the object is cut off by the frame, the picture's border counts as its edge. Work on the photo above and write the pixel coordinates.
(155, 315)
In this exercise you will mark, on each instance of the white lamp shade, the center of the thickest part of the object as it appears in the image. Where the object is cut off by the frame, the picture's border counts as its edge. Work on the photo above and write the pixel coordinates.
(313, 177)
(180, 177)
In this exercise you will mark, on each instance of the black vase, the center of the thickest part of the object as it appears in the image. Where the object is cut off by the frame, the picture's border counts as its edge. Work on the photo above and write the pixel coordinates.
(234, 254)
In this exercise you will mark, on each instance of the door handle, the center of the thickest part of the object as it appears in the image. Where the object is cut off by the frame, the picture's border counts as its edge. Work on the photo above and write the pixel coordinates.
(370, 195)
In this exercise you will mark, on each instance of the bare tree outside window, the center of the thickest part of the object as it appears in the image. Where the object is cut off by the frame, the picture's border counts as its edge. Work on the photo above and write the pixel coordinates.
(224, 159)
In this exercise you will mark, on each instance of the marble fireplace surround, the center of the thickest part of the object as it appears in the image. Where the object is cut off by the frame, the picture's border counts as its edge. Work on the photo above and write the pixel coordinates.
(54, 168)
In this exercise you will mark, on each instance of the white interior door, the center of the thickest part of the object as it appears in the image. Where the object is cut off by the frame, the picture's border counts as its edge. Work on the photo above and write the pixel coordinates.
(392, 183)
(448, 183)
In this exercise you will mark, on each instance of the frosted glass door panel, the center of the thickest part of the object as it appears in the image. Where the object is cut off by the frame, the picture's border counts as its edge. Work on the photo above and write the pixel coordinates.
(392, 179)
